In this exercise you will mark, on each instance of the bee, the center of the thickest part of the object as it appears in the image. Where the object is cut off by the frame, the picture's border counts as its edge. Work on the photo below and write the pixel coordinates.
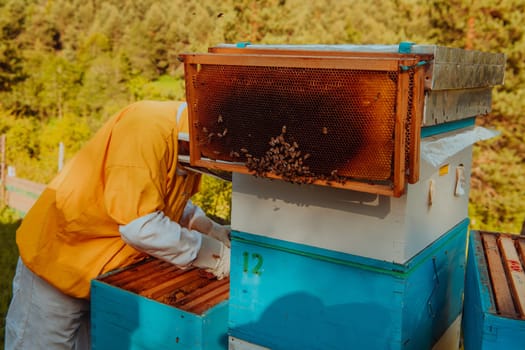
(219, 119)
(324, 130)
(283, 129)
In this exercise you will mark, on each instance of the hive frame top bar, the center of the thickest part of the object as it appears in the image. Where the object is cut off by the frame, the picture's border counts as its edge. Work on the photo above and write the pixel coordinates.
(440, 53)
(450, 68)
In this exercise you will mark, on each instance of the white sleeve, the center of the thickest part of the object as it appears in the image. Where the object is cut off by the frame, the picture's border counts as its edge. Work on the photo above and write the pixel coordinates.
(157, 235)
(191, 212)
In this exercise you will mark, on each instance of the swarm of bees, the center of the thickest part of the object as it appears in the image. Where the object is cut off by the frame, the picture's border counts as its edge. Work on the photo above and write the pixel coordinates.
(283, 159)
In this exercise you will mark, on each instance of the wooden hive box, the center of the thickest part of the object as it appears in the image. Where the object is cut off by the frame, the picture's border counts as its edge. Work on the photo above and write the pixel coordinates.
(155, 305)
(288, 296)
(494, 312)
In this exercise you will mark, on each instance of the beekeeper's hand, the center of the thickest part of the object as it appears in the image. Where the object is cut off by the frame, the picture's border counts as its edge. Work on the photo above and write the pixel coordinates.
(214, 257)
(206, 225)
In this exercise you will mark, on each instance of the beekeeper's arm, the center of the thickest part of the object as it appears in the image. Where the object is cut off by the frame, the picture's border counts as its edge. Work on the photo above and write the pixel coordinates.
(136, 173)
(158, 236)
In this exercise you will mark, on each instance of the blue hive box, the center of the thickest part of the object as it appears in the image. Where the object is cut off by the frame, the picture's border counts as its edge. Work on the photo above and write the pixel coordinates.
(155, 306)
(485, 325)
(285, 295)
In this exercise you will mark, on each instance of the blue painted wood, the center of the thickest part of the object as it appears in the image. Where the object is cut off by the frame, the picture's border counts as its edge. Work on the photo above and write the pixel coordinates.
(483, 328)
(447, 127)
(121, 320)
(285, 295)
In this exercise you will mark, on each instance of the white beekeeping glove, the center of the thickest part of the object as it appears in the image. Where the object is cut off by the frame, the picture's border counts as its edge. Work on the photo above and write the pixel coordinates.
(204, 224)
(214, 257)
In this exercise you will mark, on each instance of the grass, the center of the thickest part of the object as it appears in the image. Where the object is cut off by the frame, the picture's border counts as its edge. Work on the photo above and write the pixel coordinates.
(9, 222)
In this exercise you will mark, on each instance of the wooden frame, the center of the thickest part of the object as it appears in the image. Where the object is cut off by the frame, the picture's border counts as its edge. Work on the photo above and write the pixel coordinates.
(386, 62)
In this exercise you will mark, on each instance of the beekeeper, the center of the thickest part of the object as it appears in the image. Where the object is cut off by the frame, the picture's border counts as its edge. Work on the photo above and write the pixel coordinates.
(123, 196)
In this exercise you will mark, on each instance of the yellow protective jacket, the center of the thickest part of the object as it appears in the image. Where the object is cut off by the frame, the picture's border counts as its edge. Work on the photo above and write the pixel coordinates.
(127, 170)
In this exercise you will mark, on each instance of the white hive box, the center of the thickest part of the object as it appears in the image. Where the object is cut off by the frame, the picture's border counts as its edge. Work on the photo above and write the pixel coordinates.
(374, 226)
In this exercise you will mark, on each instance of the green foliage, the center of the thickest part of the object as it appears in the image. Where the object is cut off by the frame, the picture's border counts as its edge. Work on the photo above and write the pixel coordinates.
(9, 222)
(69, 64)
(215, 198)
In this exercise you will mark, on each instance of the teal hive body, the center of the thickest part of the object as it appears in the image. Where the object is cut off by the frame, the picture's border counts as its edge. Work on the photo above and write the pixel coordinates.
(285, 295)
(483, 327)
(121, 320)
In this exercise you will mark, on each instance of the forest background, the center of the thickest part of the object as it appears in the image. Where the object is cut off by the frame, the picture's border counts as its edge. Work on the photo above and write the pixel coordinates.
(68, 65)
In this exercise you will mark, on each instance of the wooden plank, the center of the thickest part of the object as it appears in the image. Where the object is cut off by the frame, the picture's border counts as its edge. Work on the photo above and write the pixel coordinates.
(200, 309)
(171, 284)
(297, 61)
(3, 169)
(502, 294)
(131, 272)
(418, 101)
(157, 278)
(515, 271)
(25, 185)
(19, 201)
(400, 132)
(201, 291)
(385, 190)
(207, 299)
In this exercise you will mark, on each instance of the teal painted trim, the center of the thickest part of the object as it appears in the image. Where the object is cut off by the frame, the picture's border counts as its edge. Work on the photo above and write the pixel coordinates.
(243, 44)
(447, 127)
(26, 193)
(383, 267)
(405, 47)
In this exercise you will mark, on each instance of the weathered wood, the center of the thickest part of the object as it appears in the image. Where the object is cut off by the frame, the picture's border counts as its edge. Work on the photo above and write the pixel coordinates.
(21, 194)
(502, 294)
(211, 302)
(170, 285)
(514, 270)
(3, 167)
(207, 300)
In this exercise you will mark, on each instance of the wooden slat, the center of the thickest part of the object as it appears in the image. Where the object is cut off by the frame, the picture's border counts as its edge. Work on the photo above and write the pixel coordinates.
(514, 270)
(317, 52)
(171, 285)
(25, 185)
(502, 295)
(136, 281)
(418, 99)
(157, 278)
(207, 299)
(298, 61)
(202, 291)
(400, 132)
(211, 302)
(385, 190)
(132, 273)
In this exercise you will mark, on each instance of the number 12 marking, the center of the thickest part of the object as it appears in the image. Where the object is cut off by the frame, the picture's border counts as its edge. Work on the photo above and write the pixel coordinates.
(259, 261)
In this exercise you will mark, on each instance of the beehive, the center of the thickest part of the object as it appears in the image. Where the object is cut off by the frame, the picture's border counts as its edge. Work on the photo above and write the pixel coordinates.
(373, 226)
(335, 116)
(494, 316)
(290, 296)
(155, 305)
